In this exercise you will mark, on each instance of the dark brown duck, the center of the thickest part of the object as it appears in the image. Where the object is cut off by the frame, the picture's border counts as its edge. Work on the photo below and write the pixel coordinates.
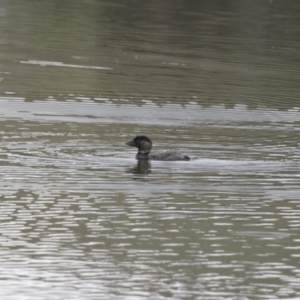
(144, 145)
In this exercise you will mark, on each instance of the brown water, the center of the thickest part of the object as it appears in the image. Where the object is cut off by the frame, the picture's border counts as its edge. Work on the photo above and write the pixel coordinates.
(217, 80)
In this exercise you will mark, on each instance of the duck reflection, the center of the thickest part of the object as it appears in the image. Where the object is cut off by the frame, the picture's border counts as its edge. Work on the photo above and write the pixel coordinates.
(142, 168)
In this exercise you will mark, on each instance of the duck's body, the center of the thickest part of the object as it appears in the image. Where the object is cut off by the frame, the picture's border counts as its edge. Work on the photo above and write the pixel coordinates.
(144, 145)
(165, 156)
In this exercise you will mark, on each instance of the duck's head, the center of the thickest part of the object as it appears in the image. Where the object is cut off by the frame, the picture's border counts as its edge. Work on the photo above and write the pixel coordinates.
(142, 142)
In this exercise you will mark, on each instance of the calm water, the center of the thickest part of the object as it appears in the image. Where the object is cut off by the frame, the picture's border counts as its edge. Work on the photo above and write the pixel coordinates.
(217, 80)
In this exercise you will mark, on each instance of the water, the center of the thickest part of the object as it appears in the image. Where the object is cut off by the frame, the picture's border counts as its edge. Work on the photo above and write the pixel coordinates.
(80, 218)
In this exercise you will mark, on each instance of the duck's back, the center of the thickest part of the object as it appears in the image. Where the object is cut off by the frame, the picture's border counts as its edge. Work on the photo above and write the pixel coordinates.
(168, 156)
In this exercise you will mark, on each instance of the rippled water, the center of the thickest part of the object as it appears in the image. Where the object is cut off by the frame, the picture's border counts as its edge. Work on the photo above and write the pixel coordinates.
(80, 218)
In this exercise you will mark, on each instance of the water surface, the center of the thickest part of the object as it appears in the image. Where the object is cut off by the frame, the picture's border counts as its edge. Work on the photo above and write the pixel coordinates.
(81, 218)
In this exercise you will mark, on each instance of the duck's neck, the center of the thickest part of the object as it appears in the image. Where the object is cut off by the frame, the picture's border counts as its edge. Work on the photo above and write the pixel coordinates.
(142, 155)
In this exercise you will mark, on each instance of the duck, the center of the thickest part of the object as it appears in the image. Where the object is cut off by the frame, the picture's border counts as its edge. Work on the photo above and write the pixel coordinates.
(144, 145)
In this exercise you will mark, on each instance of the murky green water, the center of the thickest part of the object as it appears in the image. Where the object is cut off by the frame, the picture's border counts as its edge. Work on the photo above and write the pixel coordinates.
(216, 80)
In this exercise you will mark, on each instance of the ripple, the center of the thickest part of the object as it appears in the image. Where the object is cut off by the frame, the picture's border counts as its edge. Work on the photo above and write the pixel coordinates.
(60, 64)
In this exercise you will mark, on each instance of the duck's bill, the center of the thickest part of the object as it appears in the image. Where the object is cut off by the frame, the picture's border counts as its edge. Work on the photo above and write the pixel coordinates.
(131, 143)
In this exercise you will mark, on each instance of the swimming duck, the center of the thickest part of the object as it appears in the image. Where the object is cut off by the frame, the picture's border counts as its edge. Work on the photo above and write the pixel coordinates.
(144, 145)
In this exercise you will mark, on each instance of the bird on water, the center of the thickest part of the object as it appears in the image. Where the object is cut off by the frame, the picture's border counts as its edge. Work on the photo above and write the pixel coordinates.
(144, 145)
